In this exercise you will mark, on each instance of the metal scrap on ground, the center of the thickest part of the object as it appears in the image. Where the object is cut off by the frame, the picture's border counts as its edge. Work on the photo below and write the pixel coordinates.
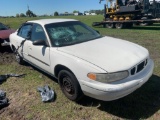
(47, 93)
(3, 78)
(3, 99)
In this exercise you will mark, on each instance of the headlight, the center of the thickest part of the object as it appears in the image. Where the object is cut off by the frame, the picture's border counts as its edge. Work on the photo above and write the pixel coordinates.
(108, 77)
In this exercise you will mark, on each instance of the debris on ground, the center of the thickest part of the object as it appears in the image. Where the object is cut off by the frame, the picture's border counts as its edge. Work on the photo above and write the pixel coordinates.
(3, 99)
(3, 78)
(47, 93)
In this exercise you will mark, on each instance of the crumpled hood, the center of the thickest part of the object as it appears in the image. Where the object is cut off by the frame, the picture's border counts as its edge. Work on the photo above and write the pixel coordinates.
(110, 54)
(4, 34)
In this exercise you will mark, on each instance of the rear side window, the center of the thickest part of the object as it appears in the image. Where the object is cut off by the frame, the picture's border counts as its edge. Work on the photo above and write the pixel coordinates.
(25, 30)
(3, 27)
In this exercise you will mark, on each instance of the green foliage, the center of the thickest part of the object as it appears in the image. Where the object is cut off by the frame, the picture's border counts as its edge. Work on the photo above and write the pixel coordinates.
(56, 13)
(75, 11)
(29, 13)
(17, 15)
(22, 15)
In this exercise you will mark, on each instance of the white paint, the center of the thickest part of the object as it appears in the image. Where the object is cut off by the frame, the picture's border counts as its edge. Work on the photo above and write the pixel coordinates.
(103, 55)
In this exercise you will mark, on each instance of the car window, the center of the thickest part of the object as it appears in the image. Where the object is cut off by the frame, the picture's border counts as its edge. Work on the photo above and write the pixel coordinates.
(24, 30)
(38, 33)
(3, 27)
(69, 33)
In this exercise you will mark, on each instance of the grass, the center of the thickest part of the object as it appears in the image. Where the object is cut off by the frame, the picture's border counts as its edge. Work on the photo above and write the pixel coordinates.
(25, 101)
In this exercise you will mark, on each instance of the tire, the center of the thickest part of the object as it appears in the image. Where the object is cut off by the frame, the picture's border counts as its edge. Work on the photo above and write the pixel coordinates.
(110, 25)
(69, 85)
(144, 24)
(119, 25)
(19, 59)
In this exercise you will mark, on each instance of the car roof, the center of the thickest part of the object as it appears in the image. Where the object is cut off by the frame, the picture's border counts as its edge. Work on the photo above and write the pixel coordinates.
(48, 21)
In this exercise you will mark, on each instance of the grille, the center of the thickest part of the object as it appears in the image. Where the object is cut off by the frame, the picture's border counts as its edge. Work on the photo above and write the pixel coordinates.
(139, 67)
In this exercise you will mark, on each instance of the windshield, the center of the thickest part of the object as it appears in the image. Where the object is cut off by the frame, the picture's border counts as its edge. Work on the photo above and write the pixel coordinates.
(69, 33)
(3, 27)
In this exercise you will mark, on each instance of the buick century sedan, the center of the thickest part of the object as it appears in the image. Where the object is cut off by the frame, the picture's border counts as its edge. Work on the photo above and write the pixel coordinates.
(83, 61)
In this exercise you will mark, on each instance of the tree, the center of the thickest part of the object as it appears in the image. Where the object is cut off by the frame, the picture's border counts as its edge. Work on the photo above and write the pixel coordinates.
(98, 12)
(92, 11)
(17, 15)
(75, 11)
(29, 13)
(22, 15)
(56, 13)
(34, 15)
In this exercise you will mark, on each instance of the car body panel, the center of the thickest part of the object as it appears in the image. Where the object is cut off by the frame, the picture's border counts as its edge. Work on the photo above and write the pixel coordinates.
(48, 21)
(4, 34)
(113, 91)
(116, 55)
(39, 55)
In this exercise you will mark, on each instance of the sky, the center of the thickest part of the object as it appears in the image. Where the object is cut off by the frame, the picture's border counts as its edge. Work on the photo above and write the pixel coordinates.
(41, 7)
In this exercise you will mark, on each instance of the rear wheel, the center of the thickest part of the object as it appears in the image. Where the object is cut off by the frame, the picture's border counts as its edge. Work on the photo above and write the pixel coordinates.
(119, 25)
(110, 25)
(144, 24)
(69, 85)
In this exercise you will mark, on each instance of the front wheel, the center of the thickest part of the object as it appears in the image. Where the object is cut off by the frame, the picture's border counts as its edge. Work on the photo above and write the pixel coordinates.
(19, 59)
(69, 85)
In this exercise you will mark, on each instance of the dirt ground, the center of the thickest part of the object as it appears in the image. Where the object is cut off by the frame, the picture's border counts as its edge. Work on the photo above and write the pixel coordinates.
(6, 55)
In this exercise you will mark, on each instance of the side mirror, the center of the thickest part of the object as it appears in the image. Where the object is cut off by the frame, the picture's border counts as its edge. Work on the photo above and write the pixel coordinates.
(40, 42)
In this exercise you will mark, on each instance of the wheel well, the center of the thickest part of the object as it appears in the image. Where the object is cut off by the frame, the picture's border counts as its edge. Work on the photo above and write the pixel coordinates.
(58, 68)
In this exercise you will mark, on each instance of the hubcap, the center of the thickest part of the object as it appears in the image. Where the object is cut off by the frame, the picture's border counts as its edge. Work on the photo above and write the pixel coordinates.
(67, 85)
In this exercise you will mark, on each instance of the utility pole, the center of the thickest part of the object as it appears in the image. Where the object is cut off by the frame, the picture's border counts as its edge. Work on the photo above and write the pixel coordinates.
(28, 7)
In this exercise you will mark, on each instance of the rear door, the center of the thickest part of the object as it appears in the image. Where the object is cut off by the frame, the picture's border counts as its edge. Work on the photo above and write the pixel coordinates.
(22, 35)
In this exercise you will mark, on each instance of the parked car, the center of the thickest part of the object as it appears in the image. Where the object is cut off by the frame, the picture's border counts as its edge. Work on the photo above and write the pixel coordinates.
(4, 34)
(83, 61)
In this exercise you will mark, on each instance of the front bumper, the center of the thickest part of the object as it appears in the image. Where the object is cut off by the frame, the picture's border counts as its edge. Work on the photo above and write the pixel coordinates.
(4, 43)
(119, 89)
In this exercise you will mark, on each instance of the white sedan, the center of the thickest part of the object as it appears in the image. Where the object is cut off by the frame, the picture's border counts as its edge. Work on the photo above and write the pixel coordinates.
(84, 62)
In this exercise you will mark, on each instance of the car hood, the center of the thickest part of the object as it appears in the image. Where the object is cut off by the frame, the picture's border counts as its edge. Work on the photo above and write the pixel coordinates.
(4, 34)
(108, 53)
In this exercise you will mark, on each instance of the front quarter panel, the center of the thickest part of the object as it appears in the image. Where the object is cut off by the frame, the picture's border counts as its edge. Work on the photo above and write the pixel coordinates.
(79, 67)
(13, 40)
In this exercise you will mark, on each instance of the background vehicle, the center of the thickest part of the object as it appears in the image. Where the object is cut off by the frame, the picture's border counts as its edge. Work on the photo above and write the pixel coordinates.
(4, 34)
(123, 13)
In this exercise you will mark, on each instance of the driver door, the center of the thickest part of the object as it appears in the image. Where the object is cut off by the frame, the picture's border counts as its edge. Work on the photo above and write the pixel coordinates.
(39, 54)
